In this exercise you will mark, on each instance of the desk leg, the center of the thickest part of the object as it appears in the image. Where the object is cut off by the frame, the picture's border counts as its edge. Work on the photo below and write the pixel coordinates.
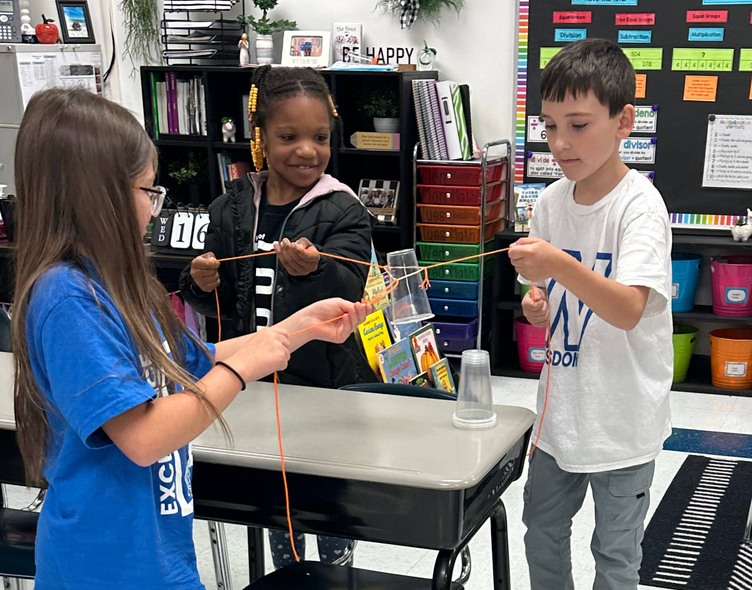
(255, 553)
(500, 548)
(442, 570)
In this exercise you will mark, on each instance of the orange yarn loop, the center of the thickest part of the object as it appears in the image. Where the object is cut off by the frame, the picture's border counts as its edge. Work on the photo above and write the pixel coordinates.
(392, 286)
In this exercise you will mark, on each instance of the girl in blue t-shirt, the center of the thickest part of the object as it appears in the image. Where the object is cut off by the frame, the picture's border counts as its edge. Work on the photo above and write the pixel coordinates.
(110, 387)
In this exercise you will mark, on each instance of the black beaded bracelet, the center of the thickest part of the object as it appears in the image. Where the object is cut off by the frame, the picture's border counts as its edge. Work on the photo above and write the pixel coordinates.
(234, 372)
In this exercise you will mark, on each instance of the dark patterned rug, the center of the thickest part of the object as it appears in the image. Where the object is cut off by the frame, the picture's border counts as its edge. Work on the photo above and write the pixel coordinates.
(694, 541)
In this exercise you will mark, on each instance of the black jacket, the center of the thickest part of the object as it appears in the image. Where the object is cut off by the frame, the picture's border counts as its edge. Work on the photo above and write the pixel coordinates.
(334, 220)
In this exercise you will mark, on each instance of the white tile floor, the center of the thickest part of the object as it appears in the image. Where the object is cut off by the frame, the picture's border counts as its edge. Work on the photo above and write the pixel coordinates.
(698, 411)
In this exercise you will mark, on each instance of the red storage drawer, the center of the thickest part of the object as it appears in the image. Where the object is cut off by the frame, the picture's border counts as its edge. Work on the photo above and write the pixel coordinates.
(458, 195)
(465, 174)
(461, 234)
(458, 215)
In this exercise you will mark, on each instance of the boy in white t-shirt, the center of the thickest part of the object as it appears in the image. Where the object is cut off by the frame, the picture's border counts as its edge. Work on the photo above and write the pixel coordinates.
(599, 253)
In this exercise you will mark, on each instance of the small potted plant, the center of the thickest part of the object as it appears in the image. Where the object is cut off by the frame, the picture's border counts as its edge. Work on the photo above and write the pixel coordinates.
(426, 57)
(383, 107)
(263, 27)
(187, 174)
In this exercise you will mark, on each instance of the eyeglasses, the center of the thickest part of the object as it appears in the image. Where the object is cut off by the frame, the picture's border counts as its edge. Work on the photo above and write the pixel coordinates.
(157, 195)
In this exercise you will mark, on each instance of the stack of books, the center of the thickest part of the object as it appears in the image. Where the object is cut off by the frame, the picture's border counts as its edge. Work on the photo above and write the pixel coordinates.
(442, 110)
(414, 360)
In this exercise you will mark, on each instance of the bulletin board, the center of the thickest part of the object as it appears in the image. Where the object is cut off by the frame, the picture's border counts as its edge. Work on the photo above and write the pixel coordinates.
(693, 59)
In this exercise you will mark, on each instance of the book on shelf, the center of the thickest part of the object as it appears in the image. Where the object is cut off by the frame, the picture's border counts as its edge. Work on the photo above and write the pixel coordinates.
(381, 198)
(179, 104)
(231, 170)
(375, 285)
(525, 197)
(374, 337)
(346, 38)
(421, 380)
(453, 120)
(370, 140)
(424, 346)
(441, 376)
(397, 363)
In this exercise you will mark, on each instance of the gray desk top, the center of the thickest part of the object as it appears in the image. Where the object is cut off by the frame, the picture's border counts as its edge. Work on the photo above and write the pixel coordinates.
(347, 434)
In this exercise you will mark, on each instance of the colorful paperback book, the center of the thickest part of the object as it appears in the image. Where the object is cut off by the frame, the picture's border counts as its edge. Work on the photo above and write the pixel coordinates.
(346, 38)
(375, 285)
(397, 363)
(421, 380)
(441, 375)
(525, 197)
(424, 347)
(374, 337)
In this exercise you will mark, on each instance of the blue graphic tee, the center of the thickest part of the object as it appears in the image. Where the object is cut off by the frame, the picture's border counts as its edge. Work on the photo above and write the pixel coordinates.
(106, 522)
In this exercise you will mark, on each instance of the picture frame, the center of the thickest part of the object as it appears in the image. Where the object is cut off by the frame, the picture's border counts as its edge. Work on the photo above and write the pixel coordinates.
(307, 49)
(75, 21)
(381, 198)
(246, 121)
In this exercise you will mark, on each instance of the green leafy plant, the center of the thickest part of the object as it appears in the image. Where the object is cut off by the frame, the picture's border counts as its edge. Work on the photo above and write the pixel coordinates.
(141, 22)
(381, 103)
(264, 26)
(186, 171)
(427, 49)
(430, 10)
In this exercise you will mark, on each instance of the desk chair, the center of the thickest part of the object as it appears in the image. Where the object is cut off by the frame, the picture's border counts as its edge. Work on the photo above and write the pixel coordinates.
(313, 575)
(18, 528)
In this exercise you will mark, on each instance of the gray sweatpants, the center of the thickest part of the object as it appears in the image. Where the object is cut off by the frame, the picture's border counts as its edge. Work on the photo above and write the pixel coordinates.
(552, 497)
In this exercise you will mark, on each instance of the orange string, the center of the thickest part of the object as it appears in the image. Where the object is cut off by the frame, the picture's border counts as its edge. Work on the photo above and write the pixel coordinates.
(393, 283)
(284, 472)
(534, 295)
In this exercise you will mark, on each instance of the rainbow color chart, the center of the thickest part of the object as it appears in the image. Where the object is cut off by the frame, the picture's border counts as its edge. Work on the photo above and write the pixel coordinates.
(703, 220)
(522, 43)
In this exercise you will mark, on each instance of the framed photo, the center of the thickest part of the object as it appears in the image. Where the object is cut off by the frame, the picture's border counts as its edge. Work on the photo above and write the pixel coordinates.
(75, 21)
(246, 122)
(381, 198)
(307, 48)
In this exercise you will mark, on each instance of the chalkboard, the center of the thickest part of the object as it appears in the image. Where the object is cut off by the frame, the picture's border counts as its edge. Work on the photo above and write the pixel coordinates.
(669, 42)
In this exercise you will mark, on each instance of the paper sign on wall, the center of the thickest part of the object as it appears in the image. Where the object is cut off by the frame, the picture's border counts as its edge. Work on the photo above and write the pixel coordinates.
(641, 85)
(543, 165)
(700, 88)
(637, 150)
(536, 129)
(646, 119)
(728, 152)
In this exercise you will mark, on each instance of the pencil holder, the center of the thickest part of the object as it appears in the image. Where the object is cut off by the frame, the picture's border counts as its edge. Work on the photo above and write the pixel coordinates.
(409, 301)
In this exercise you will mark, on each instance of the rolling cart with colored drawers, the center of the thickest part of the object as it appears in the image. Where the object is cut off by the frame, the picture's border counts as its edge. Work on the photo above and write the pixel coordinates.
(460, 205)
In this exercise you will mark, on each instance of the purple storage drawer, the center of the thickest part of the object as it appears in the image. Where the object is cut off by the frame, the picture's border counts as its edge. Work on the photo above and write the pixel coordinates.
(450, 345)
(456, 330)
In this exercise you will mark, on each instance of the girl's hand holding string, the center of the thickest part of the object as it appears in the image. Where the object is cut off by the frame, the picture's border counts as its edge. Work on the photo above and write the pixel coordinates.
(262, 353)
(300, 258)
(205, 271)
(330, 320)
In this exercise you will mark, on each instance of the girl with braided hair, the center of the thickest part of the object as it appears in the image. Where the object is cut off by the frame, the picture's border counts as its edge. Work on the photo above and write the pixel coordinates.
(295, 209)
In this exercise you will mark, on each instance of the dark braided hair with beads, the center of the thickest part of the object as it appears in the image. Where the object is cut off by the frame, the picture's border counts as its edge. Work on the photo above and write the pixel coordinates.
(277, 84)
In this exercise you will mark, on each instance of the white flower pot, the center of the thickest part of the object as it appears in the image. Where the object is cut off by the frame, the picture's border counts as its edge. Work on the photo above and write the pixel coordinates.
(386, 124)
(264, 49)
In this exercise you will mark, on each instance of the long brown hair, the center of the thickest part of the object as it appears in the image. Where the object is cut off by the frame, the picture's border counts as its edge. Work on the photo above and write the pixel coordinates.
(77, 155)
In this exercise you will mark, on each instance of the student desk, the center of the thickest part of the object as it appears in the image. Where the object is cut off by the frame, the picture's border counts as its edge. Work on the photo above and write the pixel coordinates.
(367, 466)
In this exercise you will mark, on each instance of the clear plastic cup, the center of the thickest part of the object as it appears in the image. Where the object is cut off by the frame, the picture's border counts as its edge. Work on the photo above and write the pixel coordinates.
(475, 398)
(409, 301)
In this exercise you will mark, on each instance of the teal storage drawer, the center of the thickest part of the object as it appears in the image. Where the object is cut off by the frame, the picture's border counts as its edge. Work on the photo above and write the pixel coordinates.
(454, 307)
(457, 289)
(453, 290)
